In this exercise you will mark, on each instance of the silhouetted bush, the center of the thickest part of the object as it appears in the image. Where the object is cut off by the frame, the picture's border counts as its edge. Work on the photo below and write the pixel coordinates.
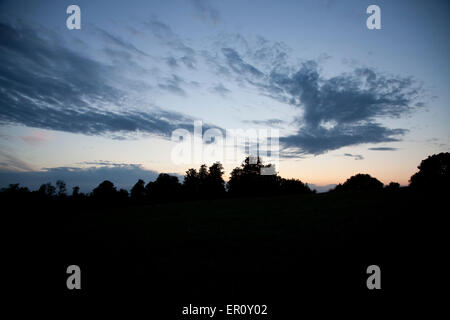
(248, 180)
(393, 186)
(191, 183)
(61, 185)
(433, 175)
(214, 183)
(165, 187)
(205, 183)
(15, 188)
(138, 192)
(122, 196)
(293, 186)
(14, 192)
(75, 191)
(47, 190)
(105, 191)
(360, 182)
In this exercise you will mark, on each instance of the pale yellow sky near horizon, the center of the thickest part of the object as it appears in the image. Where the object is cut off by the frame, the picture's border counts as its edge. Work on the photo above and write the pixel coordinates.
(49, 149)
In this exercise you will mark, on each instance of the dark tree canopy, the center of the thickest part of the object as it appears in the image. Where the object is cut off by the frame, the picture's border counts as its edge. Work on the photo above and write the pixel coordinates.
(360, 182)
(47, 189)
(122, 195)
(248, 180)
(61, 185)
(207, 182)
(75, 191)
(392, 186)
(433, 174)
(138, 192)
(191, 182)
(15, 187)
(105, 190)
(15, 190)
(164, 187)
(292, 186)
(214, 182)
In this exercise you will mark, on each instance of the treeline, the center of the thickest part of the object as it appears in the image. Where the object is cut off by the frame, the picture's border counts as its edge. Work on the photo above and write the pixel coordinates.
(204, 183)
(433, 177)
(208, 183)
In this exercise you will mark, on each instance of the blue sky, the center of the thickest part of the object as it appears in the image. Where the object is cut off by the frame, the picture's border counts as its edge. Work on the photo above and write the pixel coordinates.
(106, 98)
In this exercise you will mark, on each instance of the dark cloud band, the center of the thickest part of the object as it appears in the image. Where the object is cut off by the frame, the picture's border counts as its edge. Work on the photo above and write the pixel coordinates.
(46, 85)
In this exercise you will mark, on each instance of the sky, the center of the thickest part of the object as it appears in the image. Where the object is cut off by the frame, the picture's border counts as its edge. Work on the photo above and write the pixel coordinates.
(108, 101)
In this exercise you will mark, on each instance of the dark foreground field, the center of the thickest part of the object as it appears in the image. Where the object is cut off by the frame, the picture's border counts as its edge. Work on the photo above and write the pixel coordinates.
(273, 250)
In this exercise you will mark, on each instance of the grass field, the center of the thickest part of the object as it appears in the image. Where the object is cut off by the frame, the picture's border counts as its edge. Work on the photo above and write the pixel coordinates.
(244, 249)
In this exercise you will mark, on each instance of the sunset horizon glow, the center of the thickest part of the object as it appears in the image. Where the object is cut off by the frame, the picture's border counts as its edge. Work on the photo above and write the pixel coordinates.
(102, 102)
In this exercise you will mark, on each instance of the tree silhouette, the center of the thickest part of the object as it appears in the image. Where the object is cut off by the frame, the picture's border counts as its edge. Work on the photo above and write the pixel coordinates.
(203, 172)
(392, 186)
(434, 173)
(245, 179)
(191, 183)
(76, 191)
(293, 186)
(15, 189)
(14, 192)
(207, 182)
(360, 182)
(61, 188)
(105, 191)
(138, 192)
(163, 188)
(215, 185)
(248, 180)
(122, 196)
(47, 190)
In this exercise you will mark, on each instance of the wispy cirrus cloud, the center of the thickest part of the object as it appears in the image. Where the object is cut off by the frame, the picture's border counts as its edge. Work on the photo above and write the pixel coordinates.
(46, 85)
(11, 163)
(268, 122)
(344, 110)
(165, 35)
(354, 156)
(221, 90)
(334, 112)
(172, 62)
(352, 103)
(238, 65)
(206, 11)
(383, 149)
(119, 42)
(173, 85)
(256, 51)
